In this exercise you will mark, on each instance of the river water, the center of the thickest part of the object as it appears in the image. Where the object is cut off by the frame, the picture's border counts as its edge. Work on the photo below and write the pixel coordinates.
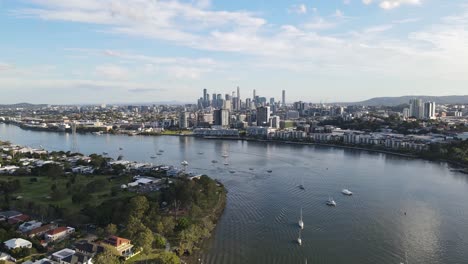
(259, 224)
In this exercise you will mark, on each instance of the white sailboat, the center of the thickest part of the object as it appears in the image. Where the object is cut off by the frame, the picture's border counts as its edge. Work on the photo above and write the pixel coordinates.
(301, 222)
(299, 239)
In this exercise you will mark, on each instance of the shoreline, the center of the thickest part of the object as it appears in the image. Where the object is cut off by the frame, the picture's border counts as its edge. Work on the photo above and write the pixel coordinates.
(360, 148)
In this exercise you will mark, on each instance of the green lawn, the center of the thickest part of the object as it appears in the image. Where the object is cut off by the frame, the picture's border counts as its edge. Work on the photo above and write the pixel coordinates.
(39, 192)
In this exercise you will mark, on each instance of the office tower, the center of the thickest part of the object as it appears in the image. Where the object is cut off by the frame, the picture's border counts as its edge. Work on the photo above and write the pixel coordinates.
(205, 99)
(429, 110)
(254, 94)
(248, 103)
(416, 108)
(263, 116)
(235, 103)
(183, 120)
(238, 99)
(283, 98)
(272, 101)
(208, 101)
(275, 122)
(227, 105)
(221, 117)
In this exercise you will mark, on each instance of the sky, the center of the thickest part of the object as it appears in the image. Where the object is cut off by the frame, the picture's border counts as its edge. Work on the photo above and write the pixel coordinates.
(123, 51)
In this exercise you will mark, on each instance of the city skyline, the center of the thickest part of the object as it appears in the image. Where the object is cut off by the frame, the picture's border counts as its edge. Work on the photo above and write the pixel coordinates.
(335, 51)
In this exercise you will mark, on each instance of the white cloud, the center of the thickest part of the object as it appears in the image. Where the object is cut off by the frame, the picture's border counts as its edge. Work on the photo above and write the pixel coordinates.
(339, 13)
(378, 29)
(5, 66)
(110, 71)
(298, 9)
(346, 2)
(391, 4)
(319, 23)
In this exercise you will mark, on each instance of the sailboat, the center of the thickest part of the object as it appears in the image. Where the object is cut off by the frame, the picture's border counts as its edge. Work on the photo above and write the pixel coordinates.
(299, 239)
(301, 223)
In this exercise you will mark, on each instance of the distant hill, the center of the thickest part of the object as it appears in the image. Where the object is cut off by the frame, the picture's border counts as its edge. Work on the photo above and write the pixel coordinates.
(392, 101)
(22, 105)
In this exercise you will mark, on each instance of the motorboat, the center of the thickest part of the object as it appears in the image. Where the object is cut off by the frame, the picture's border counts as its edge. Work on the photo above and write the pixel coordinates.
(153, 157)
(184, 163)
(225, 155)
(331, 202)
(269, 171)
(159, 154)
(200, 153)
(225, 163)
(251, 169)
(232, 171)
(347, 192)
(301, 187)
(161, 150)
(214, 161)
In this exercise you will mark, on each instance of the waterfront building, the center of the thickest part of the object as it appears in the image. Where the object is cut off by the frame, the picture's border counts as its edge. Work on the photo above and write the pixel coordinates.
(183, 120)
(275, 122)
(429, 110)
(221, 117)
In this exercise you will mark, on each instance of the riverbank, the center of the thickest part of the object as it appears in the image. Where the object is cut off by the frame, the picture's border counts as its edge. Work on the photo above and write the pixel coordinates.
(353, 147)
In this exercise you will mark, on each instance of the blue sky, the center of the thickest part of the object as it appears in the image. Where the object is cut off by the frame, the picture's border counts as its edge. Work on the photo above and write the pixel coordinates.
(86, 51)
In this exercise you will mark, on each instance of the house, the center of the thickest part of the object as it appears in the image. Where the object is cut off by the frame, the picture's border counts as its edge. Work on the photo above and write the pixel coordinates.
(5, 215)
(41, 261)
(41, 230)
(61, 254)
(88, 249)
(121, 245)
(18, 219)
(17, 243)
(28, 226)
(6, 257)
(77, 258)
(59, 233)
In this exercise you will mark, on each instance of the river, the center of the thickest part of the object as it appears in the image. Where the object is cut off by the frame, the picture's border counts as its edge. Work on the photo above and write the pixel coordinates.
(259, 224)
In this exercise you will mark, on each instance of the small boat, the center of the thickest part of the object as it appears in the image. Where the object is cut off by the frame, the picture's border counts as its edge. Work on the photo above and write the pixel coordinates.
(232, 171)
(301, 187)
(225, 155)
(214, 161)
(299, 239)
(225, 163)
(200, 153)
(153, 157)
(184, 163)
(120, 148)
(161, 150)
(251, 169)
(159, 154)
(301, 223)
(331, 202)
(105, 153)
(347, 192)
(269, 171)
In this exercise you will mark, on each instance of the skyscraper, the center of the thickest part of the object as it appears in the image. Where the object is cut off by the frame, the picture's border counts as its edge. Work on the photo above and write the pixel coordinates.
(283, 98)
(183, 120)
(416, 108)
(221, 117)
(205, 99)
(429, 110)
(238, 99)
(263, 116)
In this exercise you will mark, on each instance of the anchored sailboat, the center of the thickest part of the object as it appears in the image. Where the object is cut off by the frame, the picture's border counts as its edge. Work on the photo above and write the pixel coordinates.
(301, 222)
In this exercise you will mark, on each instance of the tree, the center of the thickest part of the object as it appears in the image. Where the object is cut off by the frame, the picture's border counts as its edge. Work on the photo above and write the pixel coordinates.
(159, 241)
(108, 256)
(111, 229)
(138, 206)
(169, 224)
(144, 240)
(166, 258)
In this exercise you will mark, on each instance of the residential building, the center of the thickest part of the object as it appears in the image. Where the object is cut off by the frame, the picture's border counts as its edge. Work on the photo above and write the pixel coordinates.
(59, 233)
(28, 226)
(17, 243)
(122, 246)
(183, 120)
(37, 232)
(429, 110)
(221, 117)
(416, 108)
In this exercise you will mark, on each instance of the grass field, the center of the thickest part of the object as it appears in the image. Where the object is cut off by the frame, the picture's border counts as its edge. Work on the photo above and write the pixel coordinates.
(40, 190)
